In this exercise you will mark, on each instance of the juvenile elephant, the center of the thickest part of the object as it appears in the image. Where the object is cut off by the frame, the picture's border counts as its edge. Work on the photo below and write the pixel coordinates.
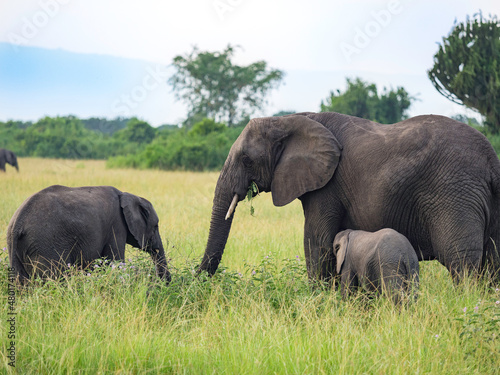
(382, 261)
(62, 225)
(7, 156)
(432, 179)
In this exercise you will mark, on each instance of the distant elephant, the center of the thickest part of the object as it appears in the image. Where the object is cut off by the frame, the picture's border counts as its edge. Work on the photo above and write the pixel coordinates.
(433, 179)
(7, 156)
(382, 261)
(62, 225)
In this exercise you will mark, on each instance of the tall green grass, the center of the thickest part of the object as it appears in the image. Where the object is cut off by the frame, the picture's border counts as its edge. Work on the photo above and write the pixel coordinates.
(258, 315)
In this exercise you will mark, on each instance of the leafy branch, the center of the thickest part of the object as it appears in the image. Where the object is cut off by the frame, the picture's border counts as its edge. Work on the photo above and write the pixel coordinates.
(253, 191)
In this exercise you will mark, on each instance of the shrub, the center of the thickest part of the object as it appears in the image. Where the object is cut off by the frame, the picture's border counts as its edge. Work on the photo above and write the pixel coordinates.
(204, 147)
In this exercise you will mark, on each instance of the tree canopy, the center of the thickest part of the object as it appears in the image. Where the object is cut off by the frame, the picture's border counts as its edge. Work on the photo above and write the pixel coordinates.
(203, 147)
(467, 67)
(361, 99)
(136, 131)
(213, 86)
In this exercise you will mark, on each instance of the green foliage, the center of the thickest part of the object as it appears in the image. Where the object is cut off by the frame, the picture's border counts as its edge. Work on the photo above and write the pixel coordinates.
(9, 134)
(202, 148)
(105, 126)
(253, 191)
(57, 137)
(472, 121)
(284, 113)
(213, 86)
(361, 99)
(481, 326)
(205, 127)
(138, 145)
(467, 67)
(136, 131)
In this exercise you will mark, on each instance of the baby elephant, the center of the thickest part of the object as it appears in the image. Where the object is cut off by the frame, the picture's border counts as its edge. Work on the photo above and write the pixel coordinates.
(62, 225)
(381, 261)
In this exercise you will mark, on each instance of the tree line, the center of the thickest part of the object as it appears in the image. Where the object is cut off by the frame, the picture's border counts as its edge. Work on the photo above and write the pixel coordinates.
(123, 142)
(134, 143)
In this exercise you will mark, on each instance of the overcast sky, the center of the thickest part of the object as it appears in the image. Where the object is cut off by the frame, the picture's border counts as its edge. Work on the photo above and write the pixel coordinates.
(317, 42)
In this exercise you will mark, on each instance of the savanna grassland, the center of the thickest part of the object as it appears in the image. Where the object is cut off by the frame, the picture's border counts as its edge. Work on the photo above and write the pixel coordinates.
(258, 315)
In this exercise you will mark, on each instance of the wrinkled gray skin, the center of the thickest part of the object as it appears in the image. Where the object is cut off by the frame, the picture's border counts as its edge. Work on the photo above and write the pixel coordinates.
(432, 179)
(376, 261)
(61, 225)
(7, 156)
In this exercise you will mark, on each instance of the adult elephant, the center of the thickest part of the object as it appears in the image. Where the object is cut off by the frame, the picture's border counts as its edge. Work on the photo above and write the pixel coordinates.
(62, 225)
(433, 179)
(7, 156)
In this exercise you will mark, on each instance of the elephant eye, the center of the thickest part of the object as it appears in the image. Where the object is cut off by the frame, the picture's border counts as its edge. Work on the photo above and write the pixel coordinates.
(247, 162)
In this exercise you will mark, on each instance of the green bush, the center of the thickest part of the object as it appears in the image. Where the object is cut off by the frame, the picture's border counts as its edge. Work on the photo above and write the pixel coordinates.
(204, 147)
(69, 138)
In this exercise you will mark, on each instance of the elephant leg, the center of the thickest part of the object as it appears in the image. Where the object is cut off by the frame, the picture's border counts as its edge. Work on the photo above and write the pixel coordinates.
(348, 283)
(21, 274)
(460, 250)
(394, 286)
(43, 268)
(322, 223)
(114, 252)
(320, 259)
(491, 252)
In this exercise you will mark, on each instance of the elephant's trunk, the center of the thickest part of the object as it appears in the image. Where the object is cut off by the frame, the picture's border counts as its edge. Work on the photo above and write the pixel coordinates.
(220, 225)
(160, 262)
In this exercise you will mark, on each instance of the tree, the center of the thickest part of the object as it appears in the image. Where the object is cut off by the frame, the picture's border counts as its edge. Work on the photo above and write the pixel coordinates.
(466, 120)
(136, 131)
(467, 67)
(213, 86)
(284, 113)
(60, 137)
(361, 99)
(205, 127)
(105, 126)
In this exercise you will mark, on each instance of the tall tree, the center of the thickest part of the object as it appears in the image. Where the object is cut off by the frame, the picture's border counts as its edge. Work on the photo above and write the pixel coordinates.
(136, 131)
(361, 99)
(467, 67)
(212, 85)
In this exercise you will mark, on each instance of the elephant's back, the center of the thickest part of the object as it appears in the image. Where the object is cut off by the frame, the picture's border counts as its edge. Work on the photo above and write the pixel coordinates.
(58, 203)
(449, 135)
(395, 244)
(71, 197)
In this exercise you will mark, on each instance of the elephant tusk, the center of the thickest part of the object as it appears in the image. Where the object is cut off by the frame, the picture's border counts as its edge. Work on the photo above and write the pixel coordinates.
(232, 206)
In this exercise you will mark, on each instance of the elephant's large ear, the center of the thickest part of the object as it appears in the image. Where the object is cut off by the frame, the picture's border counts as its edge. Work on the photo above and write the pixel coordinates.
(309, 156)
(138, 216)
(340, 248)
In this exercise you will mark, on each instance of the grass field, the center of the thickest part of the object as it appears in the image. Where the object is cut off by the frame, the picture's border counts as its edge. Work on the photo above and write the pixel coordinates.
(258, 316)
